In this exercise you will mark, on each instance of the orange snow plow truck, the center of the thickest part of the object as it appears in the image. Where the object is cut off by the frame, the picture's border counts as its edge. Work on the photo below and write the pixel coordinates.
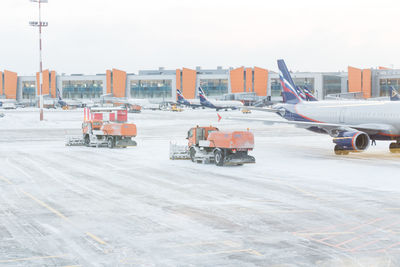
(208, 144)
(105, 127)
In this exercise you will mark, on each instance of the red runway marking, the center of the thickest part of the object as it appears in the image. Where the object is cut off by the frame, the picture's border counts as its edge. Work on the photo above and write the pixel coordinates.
(368, 223)
(322, 229)
(391, 246)
(359, 236)
(357, 227)
(324, 243)
(364, 245)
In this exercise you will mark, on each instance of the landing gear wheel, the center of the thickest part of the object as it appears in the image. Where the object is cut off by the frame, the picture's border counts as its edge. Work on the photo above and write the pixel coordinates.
(192, 153)
(87, 140)
(340, 151)
(110, 142)
(394, 147)
(219, 158)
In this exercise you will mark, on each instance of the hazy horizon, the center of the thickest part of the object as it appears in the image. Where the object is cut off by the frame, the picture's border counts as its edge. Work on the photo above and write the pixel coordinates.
(94, 35)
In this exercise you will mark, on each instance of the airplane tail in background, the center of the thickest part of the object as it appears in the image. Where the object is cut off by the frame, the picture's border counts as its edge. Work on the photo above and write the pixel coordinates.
(394, 95)
(58, 95)
(180, 96)
(309, 95)
(301, 93)
(60, 101)
(289, 89)
(202, 96)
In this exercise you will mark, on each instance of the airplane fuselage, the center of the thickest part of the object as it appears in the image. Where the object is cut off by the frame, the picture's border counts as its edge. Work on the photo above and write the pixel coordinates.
(348, 113)
(194, 103)
(222, 104)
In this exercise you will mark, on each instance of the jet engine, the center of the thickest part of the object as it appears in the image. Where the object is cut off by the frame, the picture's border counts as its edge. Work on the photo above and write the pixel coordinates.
(347, 141)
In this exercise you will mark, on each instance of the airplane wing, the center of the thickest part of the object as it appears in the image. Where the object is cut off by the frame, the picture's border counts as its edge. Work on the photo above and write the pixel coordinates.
(329, 128)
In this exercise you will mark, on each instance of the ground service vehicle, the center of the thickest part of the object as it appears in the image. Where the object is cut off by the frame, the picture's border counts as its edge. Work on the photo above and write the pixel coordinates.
(208, 144)
(105, 127)
(134, 108)
(174, 108)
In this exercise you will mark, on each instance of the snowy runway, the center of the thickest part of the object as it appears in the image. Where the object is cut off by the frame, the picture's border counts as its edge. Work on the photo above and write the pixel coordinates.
(299, 205)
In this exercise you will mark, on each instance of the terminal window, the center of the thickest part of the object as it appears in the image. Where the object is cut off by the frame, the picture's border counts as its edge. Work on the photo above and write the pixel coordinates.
(276, 87)
(151, 89)
(214, 87)
(29, 90)
(332, 84)
(82, 89)
(385, 85)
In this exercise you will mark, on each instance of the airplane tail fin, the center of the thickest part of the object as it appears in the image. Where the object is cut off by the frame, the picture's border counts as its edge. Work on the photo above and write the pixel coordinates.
(179, 95)
(394, 95)
(58, 94)
(202, 95)
(289, 92)
(309, 95)
(301, 93)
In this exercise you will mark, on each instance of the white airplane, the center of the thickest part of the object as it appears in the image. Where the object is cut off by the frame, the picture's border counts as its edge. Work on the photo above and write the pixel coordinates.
(193, 103)
(218, 104)
(351, 124)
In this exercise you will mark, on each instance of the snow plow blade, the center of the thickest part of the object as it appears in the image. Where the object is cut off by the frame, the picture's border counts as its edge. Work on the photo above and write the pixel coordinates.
(74, 141)
(237, 159)
(178, 151)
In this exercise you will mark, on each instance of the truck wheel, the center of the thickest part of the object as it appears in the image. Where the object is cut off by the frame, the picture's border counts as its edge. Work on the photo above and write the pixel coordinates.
(87, 140)
(110, 142)
(218, 158)
(192, 153)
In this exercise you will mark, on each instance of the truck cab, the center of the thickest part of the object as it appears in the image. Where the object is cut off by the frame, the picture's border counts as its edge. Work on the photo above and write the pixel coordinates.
(88, 126)
(197, 134)
(207, 144)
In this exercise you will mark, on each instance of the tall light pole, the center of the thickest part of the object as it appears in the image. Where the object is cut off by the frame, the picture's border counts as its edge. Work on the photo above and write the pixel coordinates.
(40, 24)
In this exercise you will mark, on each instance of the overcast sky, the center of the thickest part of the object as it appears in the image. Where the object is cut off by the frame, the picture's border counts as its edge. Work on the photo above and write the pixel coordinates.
(90, 36)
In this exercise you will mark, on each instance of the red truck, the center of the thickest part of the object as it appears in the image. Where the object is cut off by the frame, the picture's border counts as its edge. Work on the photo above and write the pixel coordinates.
(208, 144)
(106, 127)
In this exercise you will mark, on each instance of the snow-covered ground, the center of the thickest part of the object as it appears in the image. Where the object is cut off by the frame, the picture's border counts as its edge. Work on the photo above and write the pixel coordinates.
(299, 205)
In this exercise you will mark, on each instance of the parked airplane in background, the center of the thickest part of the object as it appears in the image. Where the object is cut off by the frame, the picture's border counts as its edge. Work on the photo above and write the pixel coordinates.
(309, 95)
(193, 103)
(110, 100)
(60, 101)
(352, 124)
(218, 104)
(68, 103)
(300, 93)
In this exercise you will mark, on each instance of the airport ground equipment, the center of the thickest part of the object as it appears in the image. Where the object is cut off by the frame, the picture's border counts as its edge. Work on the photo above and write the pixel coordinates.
(134, 108)
(178, 151)
(174, 108)
(105, 127)
(208, 144)
(8, 105)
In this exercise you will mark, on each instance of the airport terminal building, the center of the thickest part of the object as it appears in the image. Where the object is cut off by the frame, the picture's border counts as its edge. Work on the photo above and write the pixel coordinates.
(161, 84)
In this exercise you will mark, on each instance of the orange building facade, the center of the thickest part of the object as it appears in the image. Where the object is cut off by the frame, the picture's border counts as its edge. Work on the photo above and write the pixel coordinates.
(161, 84)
